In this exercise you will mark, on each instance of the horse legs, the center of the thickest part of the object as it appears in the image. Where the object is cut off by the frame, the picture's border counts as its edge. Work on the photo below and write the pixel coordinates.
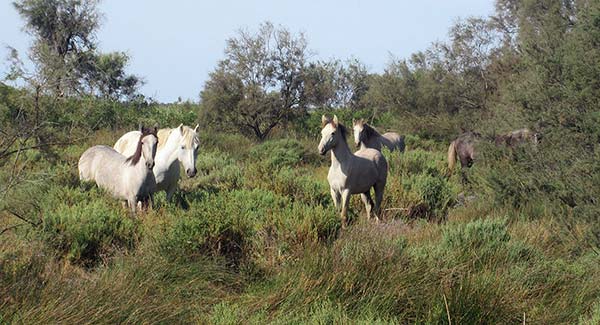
(132, 202)
(335, 195)
(170, 191)
(379, 187)
(150, 203)
(146, 203)
(345, 202)
(366, 198)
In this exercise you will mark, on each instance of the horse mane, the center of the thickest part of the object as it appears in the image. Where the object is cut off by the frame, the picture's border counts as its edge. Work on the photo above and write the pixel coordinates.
(135, 158)
(163, 135)
(343, 131)
(370, 131)
(188, 135)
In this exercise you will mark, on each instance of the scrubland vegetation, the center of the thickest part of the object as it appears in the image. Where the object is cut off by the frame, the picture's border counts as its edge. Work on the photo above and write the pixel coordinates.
(254, 237)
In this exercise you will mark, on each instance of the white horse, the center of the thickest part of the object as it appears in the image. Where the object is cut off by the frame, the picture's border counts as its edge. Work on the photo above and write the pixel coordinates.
(366, 136)
(128, 178)
(178, 145)
(352, 173)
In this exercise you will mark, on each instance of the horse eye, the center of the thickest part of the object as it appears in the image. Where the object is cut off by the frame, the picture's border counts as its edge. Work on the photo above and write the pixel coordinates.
(182, 147)
(333, 133)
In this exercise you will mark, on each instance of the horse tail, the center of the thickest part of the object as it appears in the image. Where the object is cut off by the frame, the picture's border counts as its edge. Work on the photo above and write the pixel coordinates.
(451, 156)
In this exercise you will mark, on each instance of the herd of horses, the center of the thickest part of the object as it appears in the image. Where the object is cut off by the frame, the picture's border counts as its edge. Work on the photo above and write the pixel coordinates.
(144, 162)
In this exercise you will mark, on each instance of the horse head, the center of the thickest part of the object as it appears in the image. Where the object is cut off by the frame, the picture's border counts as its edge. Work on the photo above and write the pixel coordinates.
(148, 142)
(187, 150)
(332, 132)
(358, 126)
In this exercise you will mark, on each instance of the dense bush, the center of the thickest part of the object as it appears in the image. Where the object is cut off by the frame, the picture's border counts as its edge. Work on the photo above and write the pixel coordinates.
(276, 154)
(432, 191)
(217, 169)
(244, 226)
(417, 182)
(88, 231)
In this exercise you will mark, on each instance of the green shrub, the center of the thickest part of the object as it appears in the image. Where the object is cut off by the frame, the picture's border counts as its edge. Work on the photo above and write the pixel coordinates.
(218, 170)
(276, 154)
(87, 231)
(298, 184)
(234, 144)
(433, 192)
(416, 162)
(244, 225)
(484, 236)
(413, 142)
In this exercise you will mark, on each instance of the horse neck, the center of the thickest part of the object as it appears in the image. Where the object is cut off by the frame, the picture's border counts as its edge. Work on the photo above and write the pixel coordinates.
(341, 154)
(140, 166)
(167, 153)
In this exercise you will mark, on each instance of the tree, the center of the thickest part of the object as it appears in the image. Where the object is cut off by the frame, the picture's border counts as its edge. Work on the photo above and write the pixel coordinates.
(335, 84)
(65, 53)
(259, 85)
(104, 75)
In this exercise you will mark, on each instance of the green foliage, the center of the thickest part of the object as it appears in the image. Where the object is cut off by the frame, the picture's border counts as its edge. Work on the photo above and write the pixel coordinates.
(246, 226)
(276, 154)
(65, 51)
(86, 232)
(256, 238)
(433, 191)
(259, 84)
(296, 184)
(217, 170)
(418, 182)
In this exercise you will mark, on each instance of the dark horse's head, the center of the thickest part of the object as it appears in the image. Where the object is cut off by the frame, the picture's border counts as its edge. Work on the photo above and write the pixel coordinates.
(146, 147)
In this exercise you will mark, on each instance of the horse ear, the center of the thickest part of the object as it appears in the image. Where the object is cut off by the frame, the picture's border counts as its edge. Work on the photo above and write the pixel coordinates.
(335, 120)
(141, 127)
(324, 120)
(196, 128)
(354, 121)
(180, 127)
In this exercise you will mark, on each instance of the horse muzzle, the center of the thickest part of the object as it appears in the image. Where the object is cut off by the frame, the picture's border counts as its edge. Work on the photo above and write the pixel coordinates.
(191, 172)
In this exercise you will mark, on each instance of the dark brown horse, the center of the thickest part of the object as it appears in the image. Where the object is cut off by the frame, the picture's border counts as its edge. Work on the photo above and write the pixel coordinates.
(463, 148)
(517, 137)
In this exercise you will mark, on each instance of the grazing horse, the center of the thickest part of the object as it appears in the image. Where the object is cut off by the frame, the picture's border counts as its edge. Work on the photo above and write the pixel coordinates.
(352, 173)
(178, 145)
(517, 137)
(463, 148)
(366, 136)
(127, 178)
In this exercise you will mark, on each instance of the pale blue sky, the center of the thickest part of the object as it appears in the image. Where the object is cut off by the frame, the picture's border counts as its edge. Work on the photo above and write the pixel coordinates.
(175, 44)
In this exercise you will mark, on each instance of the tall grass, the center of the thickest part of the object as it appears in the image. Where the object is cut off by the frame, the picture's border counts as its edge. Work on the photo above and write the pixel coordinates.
(254, 238)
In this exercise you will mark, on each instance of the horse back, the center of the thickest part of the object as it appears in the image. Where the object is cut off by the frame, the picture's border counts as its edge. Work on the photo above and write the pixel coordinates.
(127, 143)
(394, 141)
(373, 162)
(97, 158)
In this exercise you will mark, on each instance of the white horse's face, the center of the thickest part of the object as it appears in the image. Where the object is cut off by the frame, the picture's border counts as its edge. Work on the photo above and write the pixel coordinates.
(357, 129)
(328, 138)
(187, 152)
(149, 143)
